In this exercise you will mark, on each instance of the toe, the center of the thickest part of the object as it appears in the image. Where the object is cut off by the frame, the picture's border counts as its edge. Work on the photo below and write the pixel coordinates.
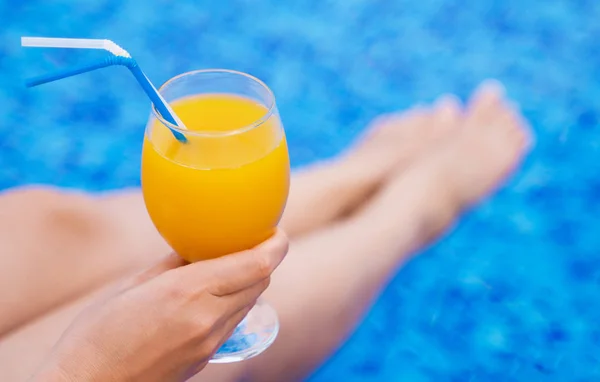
(485, 101)
(447, 114)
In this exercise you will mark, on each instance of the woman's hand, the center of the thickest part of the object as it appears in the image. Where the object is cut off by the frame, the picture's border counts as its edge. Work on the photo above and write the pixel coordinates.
(166, 324)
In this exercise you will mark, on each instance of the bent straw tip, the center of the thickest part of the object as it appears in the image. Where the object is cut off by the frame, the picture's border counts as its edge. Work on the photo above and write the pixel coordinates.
(115, 49)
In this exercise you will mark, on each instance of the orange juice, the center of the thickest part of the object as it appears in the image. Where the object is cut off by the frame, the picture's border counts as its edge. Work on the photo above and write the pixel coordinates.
(225, 189)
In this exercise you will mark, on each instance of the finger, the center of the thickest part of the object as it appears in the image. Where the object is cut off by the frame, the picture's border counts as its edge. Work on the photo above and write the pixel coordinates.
(233, 273)
(171, 261)
(231, 303)
(167, 263)
(229, 326)
(220, 335)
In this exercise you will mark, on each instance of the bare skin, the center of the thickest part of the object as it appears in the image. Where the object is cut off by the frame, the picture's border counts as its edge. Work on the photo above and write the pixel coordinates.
(408, 212)
(122, 337)
(350, 244)
(117, 237)
(327, 191)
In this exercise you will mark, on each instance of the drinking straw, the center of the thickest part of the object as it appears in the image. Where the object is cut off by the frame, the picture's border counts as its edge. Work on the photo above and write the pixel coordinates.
(77, 43)
(119, 57)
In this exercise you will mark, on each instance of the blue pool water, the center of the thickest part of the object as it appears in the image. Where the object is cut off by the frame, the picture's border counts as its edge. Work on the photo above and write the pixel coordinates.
(512, 295)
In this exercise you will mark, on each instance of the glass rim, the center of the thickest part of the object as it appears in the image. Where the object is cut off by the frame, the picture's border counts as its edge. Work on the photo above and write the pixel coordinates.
(243, 129)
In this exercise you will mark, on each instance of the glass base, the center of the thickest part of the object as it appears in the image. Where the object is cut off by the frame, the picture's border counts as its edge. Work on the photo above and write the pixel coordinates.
(251, 337)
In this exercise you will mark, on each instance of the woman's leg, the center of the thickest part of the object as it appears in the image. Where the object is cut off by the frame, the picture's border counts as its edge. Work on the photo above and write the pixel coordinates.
(348, 262)
(326, 191)
(330, 277)
(58, 246)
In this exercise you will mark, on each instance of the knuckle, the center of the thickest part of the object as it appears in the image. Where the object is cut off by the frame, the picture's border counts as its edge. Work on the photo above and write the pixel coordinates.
(268, 256)
(217, 289)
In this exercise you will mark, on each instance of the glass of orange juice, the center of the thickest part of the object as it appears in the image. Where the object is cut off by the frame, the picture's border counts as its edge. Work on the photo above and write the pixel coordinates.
(224, 190)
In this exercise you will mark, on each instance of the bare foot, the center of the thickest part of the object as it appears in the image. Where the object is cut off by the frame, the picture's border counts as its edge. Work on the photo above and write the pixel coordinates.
(494, 139)
(392, 141)
(329, 191)
(424, 200)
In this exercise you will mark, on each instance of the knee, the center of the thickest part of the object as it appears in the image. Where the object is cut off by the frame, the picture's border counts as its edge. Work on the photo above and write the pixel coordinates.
(52, 214)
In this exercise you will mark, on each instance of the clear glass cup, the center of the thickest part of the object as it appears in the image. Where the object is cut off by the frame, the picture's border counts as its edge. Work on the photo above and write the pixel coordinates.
(224, 190)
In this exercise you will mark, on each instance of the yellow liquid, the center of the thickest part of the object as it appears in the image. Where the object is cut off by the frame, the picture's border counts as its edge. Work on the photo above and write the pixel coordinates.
(216, 195)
